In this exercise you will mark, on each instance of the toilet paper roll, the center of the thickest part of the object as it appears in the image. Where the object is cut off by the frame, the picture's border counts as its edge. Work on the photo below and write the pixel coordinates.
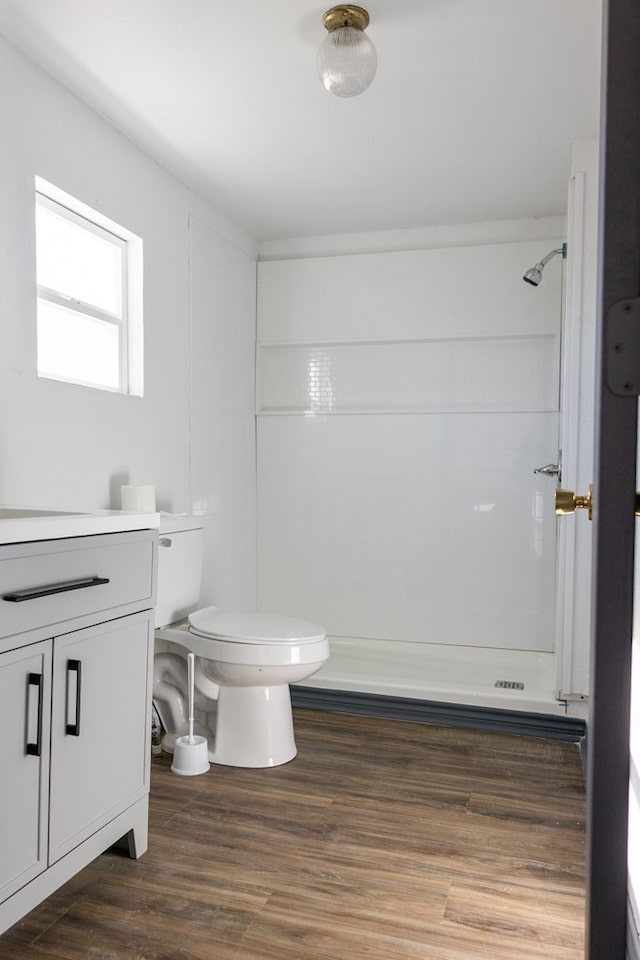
(139, 498)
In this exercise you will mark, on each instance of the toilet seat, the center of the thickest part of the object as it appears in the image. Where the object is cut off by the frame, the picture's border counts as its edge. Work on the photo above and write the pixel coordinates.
(253, 628)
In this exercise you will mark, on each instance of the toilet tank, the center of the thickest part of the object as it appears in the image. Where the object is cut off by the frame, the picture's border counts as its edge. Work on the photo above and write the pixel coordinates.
(179, 568)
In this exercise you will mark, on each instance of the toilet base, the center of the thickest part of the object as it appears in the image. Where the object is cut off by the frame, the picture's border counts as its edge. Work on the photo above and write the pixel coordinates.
(254, 727)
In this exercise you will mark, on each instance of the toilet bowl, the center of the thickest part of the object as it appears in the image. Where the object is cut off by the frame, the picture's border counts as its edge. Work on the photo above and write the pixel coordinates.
(244, 664)
(251, 658)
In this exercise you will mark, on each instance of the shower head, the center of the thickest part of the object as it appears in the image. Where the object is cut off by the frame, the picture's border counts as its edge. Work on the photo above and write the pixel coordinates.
(534, 275)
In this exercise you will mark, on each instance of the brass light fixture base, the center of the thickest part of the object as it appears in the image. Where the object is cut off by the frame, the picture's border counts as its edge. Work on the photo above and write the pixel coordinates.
(346, 15)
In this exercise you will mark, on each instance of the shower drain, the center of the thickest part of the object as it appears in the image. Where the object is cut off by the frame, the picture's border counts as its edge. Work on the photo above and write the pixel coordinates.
(509, 684)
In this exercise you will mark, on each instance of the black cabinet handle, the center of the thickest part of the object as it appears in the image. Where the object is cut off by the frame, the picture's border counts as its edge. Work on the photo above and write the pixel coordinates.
(74, 666)
(18, 596)
(35, 680)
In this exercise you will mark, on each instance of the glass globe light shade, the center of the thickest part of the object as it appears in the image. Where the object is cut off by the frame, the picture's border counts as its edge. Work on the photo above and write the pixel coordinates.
(347, 61)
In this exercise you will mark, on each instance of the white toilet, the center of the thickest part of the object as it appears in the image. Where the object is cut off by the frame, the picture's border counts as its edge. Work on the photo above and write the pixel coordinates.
(244, 661)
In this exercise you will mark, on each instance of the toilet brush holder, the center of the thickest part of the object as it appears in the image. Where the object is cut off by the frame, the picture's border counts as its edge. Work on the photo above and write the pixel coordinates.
(190, 753)
(190, 756)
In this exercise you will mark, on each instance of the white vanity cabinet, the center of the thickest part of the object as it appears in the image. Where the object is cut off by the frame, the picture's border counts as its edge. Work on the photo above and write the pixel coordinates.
(76, 654)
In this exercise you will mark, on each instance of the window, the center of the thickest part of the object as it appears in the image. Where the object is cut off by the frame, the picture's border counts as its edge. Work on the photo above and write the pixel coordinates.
(89, 275)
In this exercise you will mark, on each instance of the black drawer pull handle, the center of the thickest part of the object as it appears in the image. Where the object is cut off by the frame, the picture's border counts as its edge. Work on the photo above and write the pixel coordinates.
(35, 680)
(74, 666)
(18, 596)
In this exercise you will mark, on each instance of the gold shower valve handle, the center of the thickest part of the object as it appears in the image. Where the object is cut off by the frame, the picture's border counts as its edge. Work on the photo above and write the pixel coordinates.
(568, 502)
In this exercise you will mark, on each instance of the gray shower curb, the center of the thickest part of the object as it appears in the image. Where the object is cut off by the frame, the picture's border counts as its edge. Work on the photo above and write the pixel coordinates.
(547, 726)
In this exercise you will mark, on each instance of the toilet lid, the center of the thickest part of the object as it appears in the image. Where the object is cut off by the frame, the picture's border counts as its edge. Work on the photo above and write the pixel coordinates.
(253, 627)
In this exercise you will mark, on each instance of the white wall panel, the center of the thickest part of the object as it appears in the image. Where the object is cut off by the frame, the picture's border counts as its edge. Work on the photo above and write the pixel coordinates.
(490, 373)
(452, 292)
(421, 528)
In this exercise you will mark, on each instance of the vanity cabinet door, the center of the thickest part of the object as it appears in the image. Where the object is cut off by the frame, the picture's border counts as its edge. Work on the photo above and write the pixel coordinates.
(25, 691)
(100, 727)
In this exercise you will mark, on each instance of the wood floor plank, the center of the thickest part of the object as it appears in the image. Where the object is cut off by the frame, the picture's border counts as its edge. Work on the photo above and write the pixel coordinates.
(562, 813)
(449, 841)
(382, 839)
(547, 917)
(295, 935)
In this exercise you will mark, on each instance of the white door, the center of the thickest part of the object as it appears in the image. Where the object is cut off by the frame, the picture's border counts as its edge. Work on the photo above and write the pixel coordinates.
(99, 728)
(573, 614)
(25, 685)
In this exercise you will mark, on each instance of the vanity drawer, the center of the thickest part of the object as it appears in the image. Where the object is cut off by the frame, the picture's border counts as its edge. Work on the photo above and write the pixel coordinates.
(45, 585)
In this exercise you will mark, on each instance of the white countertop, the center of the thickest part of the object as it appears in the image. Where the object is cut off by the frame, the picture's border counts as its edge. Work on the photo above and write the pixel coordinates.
(24, 524)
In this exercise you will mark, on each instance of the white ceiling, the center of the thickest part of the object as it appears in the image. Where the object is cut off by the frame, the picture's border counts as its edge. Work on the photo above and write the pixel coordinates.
(470, 118)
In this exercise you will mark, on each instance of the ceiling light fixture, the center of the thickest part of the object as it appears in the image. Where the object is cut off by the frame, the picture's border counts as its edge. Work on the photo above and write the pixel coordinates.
(347, 58)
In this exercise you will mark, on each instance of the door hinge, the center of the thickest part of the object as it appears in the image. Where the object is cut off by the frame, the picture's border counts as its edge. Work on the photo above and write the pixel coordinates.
(622, 348)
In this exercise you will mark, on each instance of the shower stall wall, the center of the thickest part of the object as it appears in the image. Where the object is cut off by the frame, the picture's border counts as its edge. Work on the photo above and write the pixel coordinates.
(404, 400)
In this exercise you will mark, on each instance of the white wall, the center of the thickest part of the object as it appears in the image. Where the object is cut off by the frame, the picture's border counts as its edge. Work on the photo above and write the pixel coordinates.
(223, 308)
(404, 400)
(69, 446)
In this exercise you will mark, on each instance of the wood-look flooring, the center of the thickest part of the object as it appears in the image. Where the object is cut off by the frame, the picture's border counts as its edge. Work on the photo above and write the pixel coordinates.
(382, 840)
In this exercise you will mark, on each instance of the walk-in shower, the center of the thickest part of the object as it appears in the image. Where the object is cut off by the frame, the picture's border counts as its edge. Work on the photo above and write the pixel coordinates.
(404, 400)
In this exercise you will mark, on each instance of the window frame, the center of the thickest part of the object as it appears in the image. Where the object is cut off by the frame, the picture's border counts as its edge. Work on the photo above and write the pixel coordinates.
(129, 320)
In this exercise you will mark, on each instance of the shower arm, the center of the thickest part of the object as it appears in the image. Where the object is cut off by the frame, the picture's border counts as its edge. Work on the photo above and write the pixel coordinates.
(554, 253)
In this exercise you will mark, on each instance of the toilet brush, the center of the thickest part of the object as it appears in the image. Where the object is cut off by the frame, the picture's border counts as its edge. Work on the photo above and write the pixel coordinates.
(191, 753)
